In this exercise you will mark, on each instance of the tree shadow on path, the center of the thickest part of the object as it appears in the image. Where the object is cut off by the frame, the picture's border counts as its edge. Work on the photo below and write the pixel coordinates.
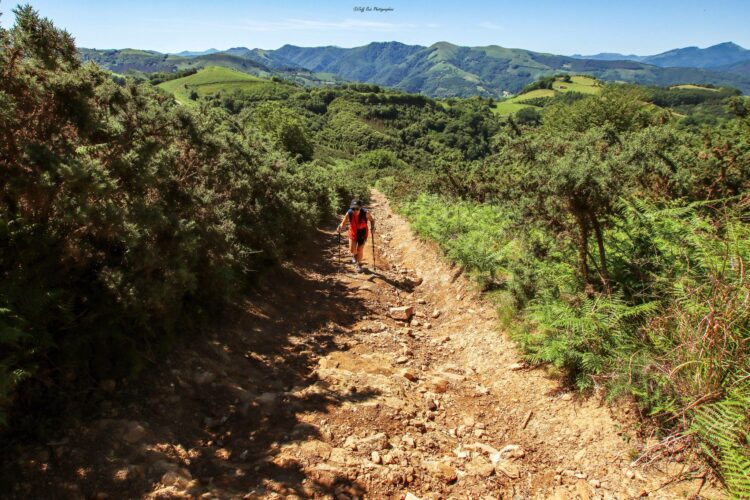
(214, 415)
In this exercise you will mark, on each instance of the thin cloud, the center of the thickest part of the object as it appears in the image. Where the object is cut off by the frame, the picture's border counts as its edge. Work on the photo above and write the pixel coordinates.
(313, 25)
(491, 26)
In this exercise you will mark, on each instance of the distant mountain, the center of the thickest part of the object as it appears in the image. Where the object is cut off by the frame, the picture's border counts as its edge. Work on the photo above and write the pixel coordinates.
(721, 56)
(187, 53)
(693, 57)
(440, 70)
(740, 68)
(444, 69)
(611, 56)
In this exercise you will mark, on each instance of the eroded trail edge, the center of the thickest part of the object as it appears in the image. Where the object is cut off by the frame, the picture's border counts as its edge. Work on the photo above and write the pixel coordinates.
(315, 389)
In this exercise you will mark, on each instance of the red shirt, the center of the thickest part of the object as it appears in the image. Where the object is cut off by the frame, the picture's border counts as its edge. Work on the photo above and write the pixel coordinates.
(357, 220)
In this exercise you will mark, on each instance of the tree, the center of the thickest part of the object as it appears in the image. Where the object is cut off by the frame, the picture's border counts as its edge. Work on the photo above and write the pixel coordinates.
(528, 116)
(283, 125)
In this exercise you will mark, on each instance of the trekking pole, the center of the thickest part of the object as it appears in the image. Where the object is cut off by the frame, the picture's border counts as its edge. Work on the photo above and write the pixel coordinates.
(374, 266)
(339, 246)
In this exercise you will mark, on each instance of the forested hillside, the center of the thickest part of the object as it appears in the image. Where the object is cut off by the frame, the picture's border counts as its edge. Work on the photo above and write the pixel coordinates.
(440, 70)
(610, 227)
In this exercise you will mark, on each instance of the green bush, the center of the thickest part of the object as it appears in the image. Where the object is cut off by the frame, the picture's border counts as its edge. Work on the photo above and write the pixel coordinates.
(125, 220)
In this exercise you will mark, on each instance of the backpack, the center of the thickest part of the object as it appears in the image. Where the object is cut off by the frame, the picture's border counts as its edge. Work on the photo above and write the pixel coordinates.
(362, 213)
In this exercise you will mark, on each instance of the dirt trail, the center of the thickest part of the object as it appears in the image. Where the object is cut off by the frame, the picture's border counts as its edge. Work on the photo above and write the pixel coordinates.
(313, 390)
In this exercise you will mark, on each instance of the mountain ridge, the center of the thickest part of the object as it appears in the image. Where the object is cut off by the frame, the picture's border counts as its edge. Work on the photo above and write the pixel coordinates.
(720, 55)
(441, 70)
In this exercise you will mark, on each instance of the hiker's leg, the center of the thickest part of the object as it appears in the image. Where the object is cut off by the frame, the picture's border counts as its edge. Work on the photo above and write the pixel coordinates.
(353, 247)
(361, 251)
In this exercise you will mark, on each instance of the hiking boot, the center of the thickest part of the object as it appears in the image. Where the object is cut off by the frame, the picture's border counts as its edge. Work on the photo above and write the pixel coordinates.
(354, 261)
(360, 269)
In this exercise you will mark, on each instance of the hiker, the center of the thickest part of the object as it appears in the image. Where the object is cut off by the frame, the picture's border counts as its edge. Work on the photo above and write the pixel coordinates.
(357, 217)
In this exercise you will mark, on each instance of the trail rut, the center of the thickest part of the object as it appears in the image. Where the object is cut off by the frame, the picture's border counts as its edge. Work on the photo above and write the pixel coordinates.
(311, 390)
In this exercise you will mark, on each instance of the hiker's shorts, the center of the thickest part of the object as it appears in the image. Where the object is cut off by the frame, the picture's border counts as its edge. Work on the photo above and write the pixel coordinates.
(361, 236)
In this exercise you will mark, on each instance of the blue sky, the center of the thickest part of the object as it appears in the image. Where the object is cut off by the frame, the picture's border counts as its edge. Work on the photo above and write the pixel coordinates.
(555, 26)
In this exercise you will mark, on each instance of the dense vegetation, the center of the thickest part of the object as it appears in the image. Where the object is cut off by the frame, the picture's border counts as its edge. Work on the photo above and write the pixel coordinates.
(125, 219)
(618, 239)
(609, 222)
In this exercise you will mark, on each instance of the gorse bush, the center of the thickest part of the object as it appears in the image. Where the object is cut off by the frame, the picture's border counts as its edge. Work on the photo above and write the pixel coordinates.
(126, 220)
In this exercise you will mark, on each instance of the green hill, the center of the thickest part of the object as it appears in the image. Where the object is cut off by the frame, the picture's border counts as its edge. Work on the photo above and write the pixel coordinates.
(577, 83)
(441, 70)
(140, 62)
(217, 79)
(446, 70)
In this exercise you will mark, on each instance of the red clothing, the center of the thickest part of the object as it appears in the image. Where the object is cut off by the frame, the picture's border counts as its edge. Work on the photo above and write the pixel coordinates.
(357, 220)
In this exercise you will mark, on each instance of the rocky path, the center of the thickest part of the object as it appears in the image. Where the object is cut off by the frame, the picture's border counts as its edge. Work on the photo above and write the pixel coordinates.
(395, 383)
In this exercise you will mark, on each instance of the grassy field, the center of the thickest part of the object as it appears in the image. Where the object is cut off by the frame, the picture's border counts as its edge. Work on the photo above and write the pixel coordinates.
(583, 84)
(216, 79)
(534, 94)
(691, 86)
(509, 107)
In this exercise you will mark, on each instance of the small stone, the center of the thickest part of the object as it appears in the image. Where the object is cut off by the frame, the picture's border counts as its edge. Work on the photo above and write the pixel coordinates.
(372, 443)
(430, 404)
(629, 474)
(179, 478)
(595, 483)
(438, 384)
(409, 375)
(480, 467)
(415, 323)
(402, 313)
(410, 496)
(351, 443)
(134, 433)
(512, 451)
(409, 441)
(375, 457)
(421, 301)
(417, 281)
(567, 397)
(204, 377)
(446, 472)
(508, 468)
(436, 314)
(401, 360)
(517, 366)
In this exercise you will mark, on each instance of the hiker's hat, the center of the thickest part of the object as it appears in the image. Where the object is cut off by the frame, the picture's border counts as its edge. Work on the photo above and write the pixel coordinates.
(356, 204)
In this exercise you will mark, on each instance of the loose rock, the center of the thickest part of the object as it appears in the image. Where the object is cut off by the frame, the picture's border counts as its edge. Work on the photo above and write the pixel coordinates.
(134, 433)
(438, 384)
(204, 377)
(508, 468)
(402, 313)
